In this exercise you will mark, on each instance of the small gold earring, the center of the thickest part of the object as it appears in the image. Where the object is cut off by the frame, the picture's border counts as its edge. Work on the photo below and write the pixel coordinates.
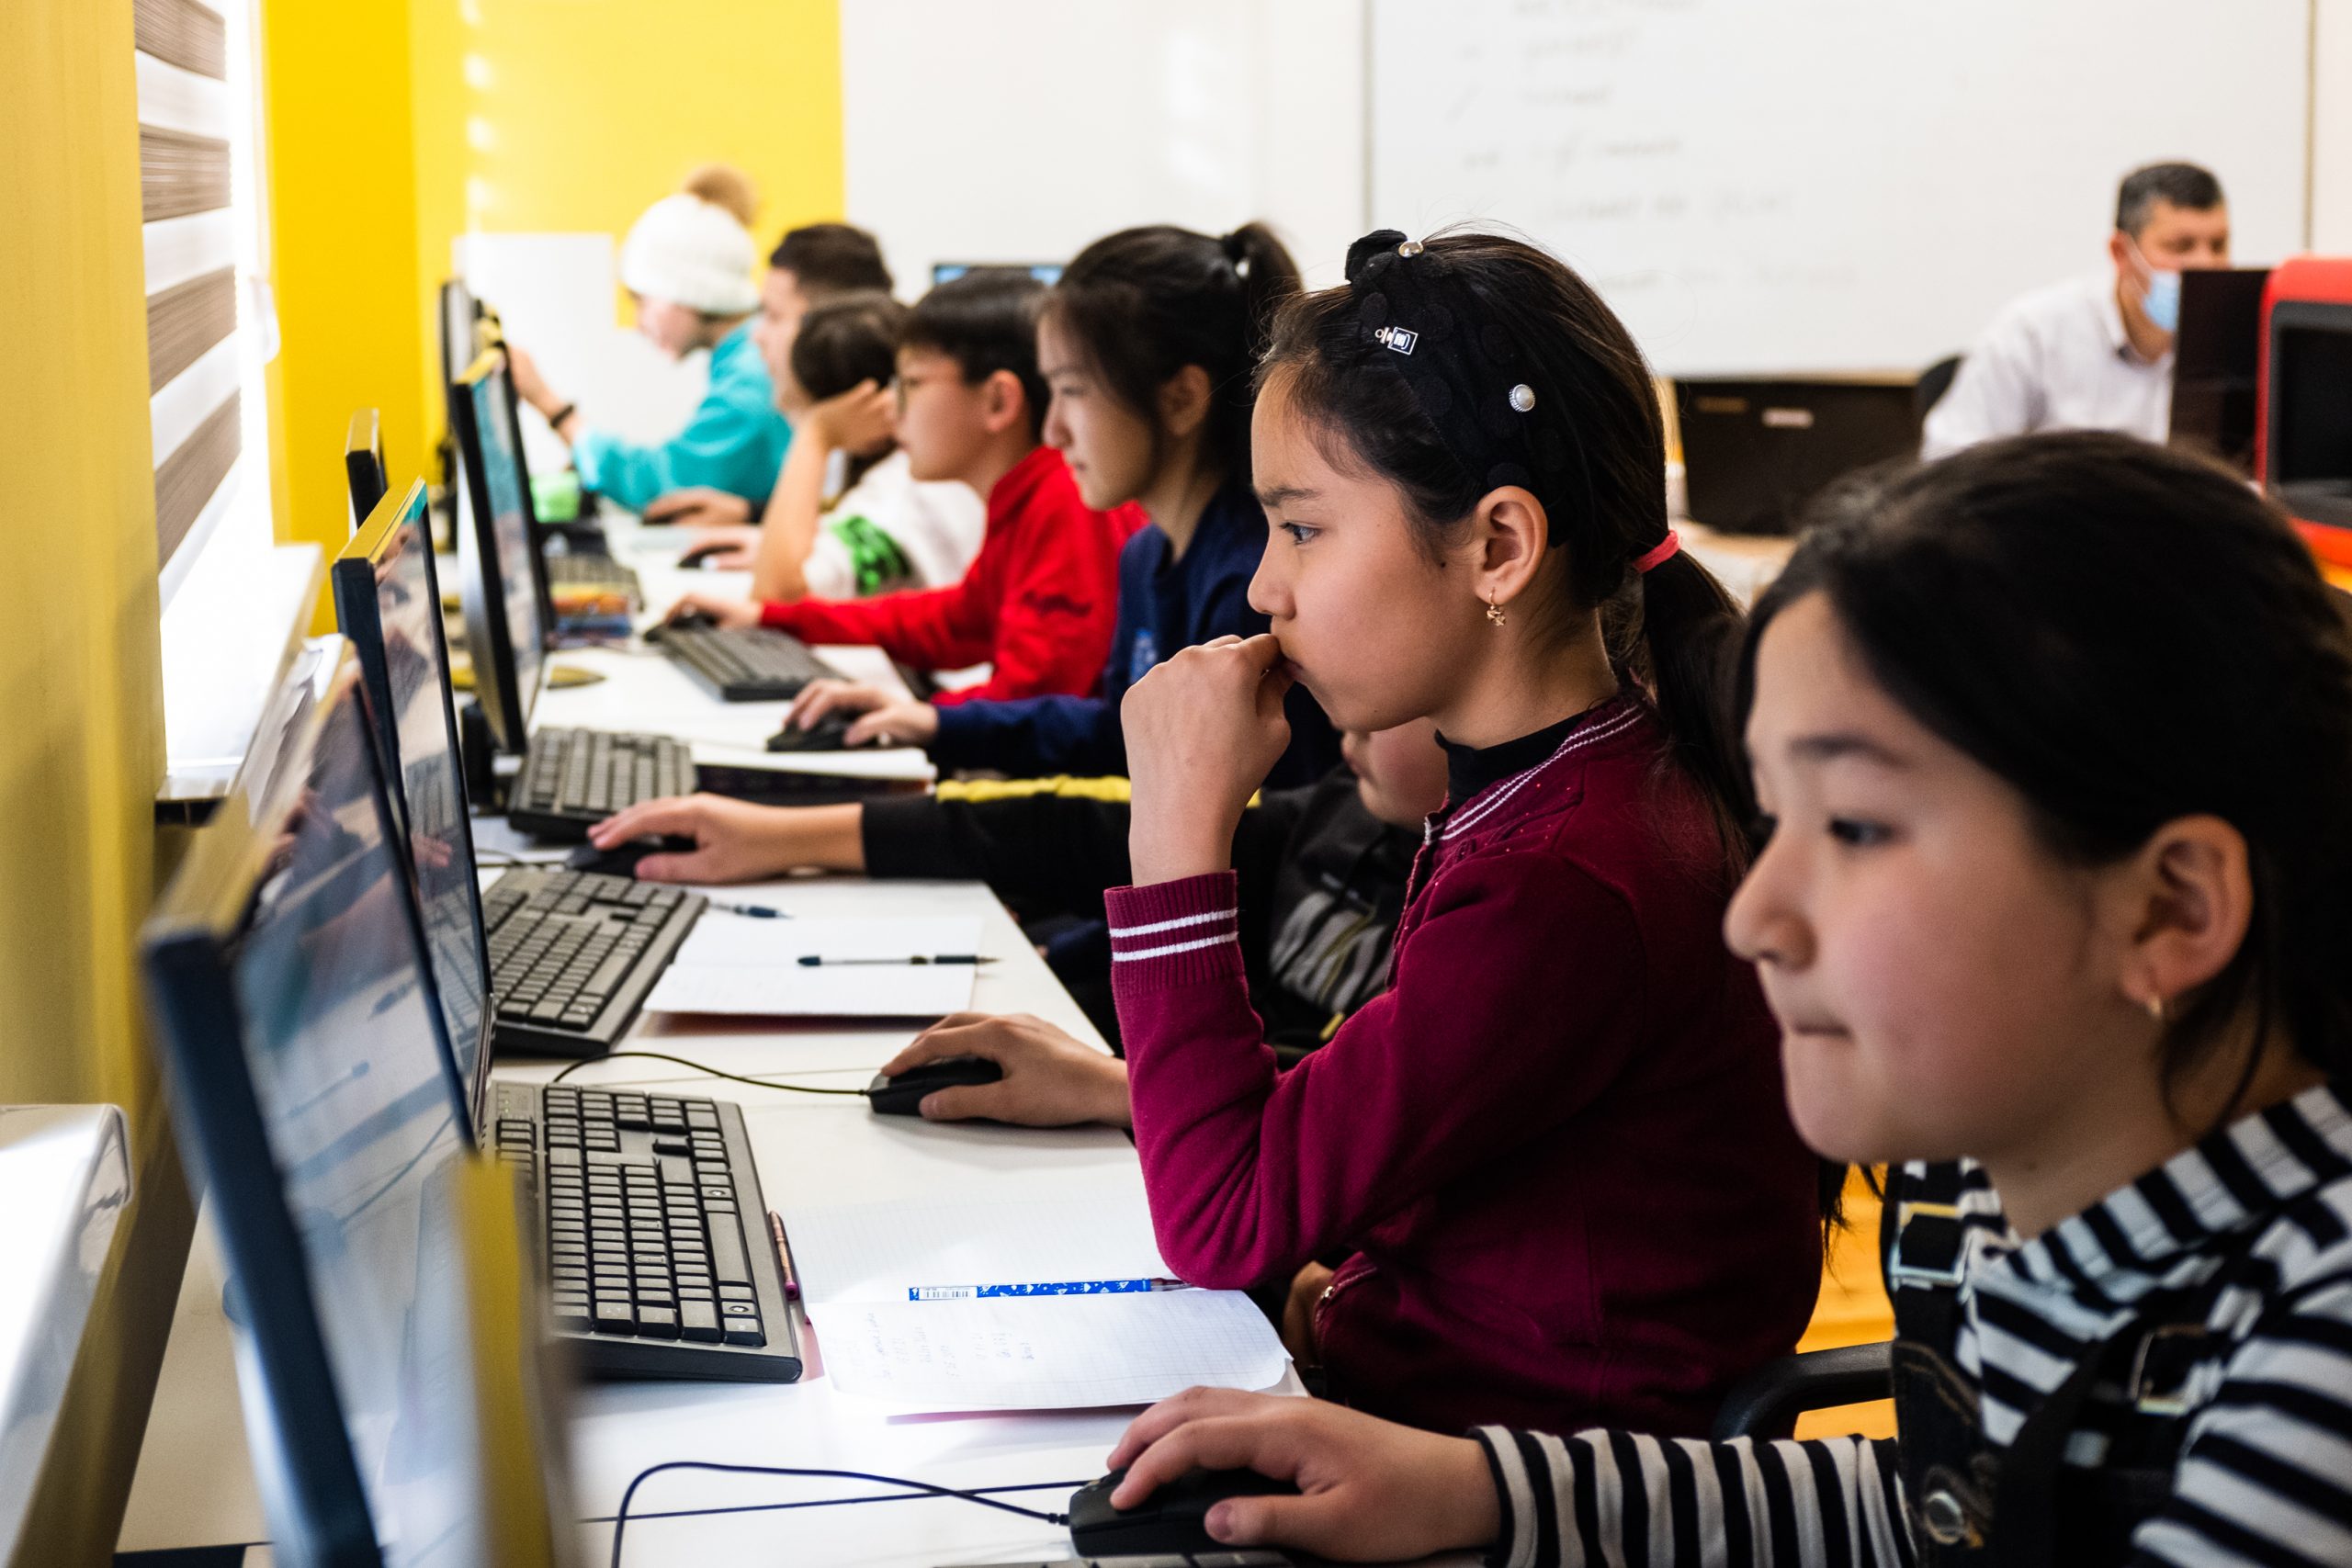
(2156, 1006)
(1494, 611)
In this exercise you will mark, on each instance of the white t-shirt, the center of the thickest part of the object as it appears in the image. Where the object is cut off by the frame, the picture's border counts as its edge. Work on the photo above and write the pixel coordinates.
(891, 530)
(2057, 359)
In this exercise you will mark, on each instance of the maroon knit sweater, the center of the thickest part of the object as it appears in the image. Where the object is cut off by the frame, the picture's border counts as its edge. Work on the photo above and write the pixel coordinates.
(1555, 1151)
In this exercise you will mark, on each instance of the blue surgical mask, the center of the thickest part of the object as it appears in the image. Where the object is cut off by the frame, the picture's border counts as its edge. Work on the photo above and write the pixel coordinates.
(2162, 300)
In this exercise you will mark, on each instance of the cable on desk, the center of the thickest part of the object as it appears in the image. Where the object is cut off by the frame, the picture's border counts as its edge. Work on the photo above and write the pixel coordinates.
(917, 1488)
(700, 1067)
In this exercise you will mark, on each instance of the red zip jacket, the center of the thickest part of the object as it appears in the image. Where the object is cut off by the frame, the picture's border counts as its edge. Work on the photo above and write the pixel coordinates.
(1556, 1148)
(1039, 600)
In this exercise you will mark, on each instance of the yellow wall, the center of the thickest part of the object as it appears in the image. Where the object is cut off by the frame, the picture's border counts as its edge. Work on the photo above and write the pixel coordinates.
(574, 115)
(81, 753)
(340, 164)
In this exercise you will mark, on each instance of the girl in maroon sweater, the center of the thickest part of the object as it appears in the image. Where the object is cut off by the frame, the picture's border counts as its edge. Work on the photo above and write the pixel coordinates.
(1555, 1156)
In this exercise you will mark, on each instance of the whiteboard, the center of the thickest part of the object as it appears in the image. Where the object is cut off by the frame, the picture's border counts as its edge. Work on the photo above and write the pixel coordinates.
(1763, 186)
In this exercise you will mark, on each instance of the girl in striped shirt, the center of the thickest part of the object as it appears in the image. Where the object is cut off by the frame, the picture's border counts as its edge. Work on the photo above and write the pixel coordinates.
(2054, 742)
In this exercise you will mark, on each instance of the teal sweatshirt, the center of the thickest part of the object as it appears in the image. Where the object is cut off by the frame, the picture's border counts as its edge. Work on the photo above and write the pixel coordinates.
(735, 441)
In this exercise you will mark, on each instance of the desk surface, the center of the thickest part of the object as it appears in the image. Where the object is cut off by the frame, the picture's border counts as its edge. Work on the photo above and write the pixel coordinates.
(644, 691)
(195, 1486)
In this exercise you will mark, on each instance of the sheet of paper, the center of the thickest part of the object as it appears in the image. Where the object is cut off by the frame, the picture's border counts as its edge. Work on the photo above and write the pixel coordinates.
(723, 939)
(790, 991)
(742, 965)
(1048, 1352)
(877, 1252)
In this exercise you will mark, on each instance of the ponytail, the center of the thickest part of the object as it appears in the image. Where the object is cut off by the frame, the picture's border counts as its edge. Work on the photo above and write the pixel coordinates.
(1144, 303)
(1693, 631)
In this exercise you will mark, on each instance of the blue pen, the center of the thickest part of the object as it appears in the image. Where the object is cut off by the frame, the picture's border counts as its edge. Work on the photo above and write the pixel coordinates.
(1048, 1288)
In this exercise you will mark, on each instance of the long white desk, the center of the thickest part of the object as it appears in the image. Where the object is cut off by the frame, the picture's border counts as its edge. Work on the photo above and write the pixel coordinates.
(195, 1487)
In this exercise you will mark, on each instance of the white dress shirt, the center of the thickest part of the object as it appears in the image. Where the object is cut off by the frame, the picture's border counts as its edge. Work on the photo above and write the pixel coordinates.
(2057, 359)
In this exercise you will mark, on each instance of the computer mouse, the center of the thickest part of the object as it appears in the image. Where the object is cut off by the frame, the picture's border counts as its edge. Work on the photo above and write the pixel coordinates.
(700, 556)
(902, 1096)
(621, 859)
(829, 733)
(1172, 1519)
(689, 620)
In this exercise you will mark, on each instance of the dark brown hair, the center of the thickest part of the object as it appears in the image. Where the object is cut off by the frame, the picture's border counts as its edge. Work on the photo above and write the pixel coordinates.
(832, 258)
(1144, 303)
(1674, 626)
(2126, 636)
(844, 342)
(985, 320)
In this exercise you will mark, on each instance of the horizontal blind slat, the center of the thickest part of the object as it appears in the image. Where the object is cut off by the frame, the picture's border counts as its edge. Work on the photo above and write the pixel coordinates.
(185, 320)
(189, 476)
(179, 173)
(191, 36)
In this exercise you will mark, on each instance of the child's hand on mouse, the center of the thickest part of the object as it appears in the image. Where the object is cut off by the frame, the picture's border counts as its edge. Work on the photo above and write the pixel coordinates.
(1050, 1080)
(883, 715)
(729, 547)
(1370, 1491)
(735, 613)
(698, 506)
(734, 840)
(1202, 729)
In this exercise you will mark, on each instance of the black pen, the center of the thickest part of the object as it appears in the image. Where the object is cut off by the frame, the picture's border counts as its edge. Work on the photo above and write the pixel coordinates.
(811, 960)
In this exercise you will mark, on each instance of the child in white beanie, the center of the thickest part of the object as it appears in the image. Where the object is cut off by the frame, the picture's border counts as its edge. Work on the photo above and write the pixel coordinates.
(687, 264)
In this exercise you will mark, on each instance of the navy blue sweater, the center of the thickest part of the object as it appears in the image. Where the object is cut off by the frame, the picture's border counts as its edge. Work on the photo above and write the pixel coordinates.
(1164, 604)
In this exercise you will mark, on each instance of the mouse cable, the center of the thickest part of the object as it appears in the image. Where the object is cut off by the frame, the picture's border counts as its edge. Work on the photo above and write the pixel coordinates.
(700, 1067)
(919, 1489)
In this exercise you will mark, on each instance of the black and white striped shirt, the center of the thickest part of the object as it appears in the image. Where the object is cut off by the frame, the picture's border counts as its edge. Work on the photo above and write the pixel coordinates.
(2249, 1235)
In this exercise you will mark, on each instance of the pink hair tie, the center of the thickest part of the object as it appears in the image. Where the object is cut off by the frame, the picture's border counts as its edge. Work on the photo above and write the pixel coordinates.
(1658, 554)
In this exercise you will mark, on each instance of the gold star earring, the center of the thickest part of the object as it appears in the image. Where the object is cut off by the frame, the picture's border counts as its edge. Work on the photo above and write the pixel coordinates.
(1494, 611)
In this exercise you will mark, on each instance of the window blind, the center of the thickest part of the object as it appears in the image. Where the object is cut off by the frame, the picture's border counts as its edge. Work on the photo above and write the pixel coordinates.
(191, 233)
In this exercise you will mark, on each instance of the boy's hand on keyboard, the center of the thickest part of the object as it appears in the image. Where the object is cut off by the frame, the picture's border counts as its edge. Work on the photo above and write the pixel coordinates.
(698, 506)
(1370, 1491)
(734, 839)
(1203, 728)
(1050, 1080)
(720, 609)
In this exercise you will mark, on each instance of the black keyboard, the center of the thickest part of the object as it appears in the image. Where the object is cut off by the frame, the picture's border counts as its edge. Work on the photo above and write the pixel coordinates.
(751, 665)
(660, 1259)
(573, 779)
(572, 955)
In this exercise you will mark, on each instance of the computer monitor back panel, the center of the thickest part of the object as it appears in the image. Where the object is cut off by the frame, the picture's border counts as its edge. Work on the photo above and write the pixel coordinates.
(363, 465)
(2217, 363)
(1755, 451)
(504, 633)
(301, 1028)
(388, 599)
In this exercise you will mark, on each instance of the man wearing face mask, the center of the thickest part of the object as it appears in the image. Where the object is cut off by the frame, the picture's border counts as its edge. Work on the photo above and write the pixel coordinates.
(2095, 353)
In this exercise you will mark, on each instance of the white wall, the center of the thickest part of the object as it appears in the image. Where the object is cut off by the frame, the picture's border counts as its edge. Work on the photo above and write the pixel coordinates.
(1008, 132)
(2332, 138)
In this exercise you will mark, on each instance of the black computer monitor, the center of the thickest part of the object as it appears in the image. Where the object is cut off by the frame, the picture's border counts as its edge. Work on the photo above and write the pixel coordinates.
(388, 600)
(363, 464)
(1755, 449)
(300, 1028)
(460, 344)
(2309, 444)
(506, 602)
(2217, 363)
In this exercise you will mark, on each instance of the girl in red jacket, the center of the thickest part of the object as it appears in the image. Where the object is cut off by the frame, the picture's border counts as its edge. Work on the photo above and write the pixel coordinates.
(1554, 1156)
